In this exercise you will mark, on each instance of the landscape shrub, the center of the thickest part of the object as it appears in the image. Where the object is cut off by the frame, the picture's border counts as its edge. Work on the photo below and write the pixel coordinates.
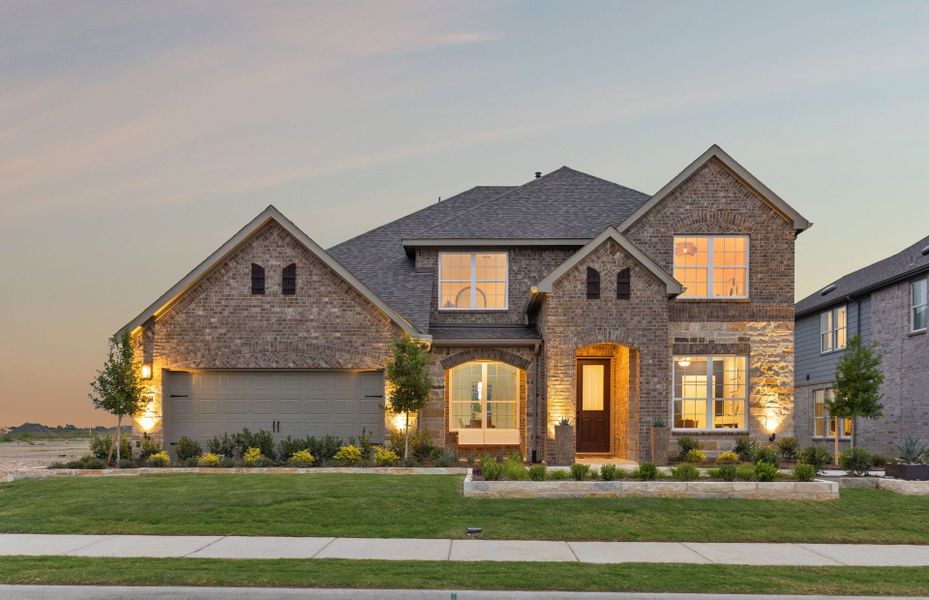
(236, 444)
(788, 447)
(186, 448)
(394, 440)
(745, 472)
(744, 447)
(804, 472)
(765, 471)
(879, 461)
(514, 469)
(301, 459)
(223, 445)
(491, 470)
(254, 457)
(147, 447)
(766, 454)
(100, 447)
(727, 472)
(158, 459)
(125, 463)
(695, 456)
(815, 456)
(326, 447)
(558, 475)
(647, 471)
(446, 457)
(537, 472)
(421, 446)
(87, 462)
(228, 462)
(289, 446)
(685, 472)
(855, 461)
(385, 458)
(365, 443)
(608, 472)
(580, 472)
(686, 444)
(348, 455)
(727, 458)
(208, 460)
(911, 451)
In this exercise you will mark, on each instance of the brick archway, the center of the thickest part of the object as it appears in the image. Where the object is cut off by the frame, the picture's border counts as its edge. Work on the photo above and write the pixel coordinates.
(489, 354)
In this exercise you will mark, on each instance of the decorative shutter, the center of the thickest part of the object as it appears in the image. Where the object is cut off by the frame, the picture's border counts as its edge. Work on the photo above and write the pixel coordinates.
(289, 283)
(593, 284)
(623, 284)
(258, 279)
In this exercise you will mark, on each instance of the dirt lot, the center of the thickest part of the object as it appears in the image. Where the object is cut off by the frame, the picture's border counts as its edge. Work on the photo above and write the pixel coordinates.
(37, 454)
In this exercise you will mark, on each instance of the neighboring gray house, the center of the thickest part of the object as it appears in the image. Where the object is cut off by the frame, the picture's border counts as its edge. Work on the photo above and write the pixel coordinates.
(886, 304)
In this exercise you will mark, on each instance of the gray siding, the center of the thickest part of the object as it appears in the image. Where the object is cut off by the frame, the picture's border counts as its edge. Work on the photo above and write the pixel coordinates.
(812, 366)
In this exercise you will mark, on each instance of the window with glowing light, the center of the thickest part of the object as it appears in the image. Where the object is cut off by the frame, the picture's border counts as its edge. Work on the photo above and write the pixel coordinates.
(712, 266)
(710, 392)
(472, 281)
(822, 419)
(833, 329)
(484, 403)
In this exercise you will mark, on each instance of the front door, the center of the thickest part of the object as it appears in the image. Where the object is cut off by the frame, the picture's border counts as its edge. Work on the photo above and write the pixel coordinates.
(593, 405)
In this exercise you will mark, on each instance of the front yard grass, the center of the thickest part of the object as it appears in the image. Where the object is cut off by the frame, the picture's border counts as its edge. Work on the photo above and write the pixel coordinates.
(478, 575)
(431, 506)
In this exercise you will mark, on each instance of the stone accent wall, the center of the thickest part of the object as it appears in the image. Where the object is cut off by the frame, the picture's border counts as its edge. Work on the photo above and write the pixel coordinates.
(569, 321)
(527, 266)
(435, 417)
(219, 323)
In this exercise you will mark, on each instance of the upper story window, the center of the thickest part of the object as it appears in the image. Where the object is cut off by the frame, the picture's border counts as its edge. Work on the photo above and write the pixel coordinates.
(710, 392)
(821, 417)
(919, 305)
(289, 280)
(712, 266)
(624, 284)
(833, 329)
(473, 281)
(593, 284)
(258, 279)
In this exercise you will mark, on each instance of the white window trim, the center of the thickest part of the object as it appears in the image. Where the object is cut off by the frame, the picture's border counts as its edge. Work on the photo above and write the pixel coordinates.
(473, 282)
(914, 306)
(710, 398)
(834, 332)
(840, 423)
(469, 436)
(710, 266)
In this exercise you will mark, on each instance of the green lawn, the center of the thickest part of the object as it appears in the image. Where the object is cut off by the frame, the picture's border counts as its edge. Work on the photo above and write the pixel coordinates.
(479, 575)
(433, 507)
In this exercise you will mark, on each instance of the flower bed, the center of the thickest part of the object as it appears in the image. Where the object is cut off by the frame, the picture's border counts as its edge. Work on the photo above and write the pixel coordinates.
(129, 472)
(565, 488)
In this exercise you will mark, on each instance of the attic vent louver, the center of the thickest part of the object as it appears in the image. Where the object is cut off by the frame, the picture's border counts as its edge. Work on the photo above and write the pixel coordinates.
(827, 289)
(924, 251)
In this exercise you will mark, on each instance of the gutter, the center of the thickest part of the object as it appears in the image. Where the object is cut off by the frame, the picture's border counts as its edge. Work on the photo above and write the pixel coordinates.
(870, 288)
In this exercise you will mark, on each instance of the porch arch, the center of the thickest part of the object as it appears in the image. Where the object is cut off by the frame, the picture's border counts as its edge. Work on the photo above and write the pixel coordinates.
(473, 354)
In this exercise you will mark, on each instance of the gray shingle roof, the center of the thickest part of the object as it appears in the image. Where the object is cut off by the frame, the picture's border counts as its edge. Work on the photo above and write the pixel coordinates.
(909, 260)
(563, 204)
(377, 257)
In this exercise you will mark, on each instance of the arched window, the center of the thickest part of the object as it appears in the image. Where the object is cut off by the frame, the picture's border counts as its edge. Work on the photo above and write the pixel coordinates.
(593, 283)
(289, 283)
(484, 403)
(258, 279)
(623, 284)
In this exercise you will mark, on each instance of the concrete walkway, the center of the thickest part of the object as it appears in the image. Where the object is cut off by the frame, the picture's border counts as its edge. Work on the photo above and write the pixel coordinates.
(161, 546)
(41, 592)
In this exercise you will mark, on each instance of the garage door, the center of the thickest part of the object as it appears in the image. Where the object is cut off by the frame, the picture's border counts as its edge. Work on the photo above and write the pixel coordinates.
(203, 404)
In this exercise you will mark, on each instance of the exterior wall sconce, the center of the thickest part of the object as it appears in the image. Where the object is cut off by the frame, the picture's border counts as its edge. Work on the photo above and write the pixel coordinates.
(146, 370)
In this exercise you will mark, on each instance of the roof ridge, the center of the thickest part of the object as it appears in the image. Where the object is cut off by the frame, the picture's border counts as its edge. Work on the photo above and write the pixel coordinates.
(604, 180)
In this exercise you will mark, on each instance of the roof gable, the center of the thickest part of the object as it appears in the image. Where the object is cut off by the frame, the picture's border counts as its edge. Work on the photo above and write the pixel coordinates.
(715, 152)
(235, 242)
(565, 204)
(547, 285)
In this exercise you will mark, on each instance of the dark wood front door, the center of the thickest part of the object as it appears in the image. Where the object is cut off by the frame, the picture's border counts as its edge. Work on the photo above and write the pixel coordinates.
(593, 405)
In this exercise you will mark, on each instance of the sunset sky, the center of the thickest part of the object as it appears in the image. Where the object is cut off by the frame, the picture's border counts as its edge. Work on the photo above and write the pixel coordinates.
(135, 138)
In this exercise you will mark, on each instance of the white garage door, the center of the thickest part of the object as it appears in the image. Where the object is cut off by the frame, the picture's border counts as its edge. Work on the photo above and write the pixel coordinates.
(203, 404)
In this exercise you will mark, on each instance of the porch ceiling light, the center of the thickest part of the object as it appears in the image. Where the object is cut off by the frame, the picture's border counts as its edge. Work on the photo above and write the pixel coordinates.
(146, 370)
(683, 362)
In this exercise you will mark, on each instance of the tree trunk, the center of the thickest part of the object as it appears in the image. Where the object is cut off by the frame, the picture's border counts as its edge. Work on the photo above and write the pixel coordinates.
(119, 431)
(854, 431)
(835, 457)
(406, 436)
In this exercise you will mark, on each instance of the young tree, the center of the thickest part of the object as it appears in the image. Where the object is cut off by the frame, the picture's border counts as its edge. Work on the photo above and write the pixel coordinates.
(116, 388)
(409, 382)
(857, 389)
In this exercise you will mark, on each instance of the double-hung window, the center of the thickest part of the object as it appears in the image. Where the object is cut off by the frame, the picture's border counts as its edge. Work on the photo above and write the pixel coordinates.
(472, 281)
(919, 304)
(833, 329)
(710, 392)
(712, 266)
(484, 403)
(822, 419)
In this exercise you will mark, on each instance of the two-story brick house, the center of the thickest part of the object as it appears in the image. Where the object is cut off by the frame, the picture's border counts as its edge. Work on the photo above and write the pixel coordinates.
(565, 297)
(885, 304)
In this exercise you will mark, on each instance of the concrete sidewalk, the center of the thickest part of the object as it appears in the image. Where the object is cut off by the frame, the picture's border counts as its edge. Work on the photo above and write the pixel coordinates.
(162, 546)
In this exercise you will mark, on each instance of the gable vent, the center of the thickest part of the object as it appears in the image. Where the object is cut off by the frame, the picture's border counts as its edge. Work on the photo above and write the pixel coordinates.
(827, 289)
